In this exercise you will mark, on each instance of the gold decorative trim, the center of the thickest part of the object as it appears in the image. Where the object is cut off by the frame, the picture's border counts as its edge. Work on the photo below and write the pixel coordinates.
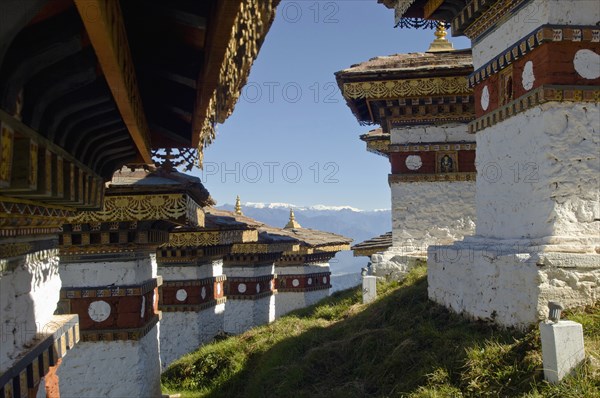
(454, 85)
(432, 147)
(171, 207)
(536, 97)
(251, 24)
(113, 291)
(211, 238)
(257, 248)
(444, 177)
(499, 12)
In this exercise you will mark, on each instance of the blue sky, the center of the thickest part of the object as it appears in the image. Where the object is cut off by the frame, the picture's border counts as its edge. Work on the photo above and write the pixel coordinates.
(292, 138)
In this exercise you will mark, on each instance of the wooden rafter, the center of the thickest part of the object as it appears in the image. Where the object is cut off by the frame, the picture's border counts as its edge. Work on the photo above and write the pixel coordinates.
(103, 22)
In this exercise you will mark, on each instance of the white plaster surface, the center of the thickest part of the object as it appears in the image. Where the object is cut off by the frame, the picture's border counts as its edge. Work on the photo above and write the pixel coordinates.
(425, 213)
(587, 64)
(528, 76)
(538, 175)
(112, 369)
(241, 315)
(184, 332)
(452, 132)
(286, 302)
(28, 298)
(119, 273)
(394, 264)
(248, 271)
(177, 273)
(529, 18)
(485, 98)
(562, 348)
(369, 289)
(302, 269)
(507, 286)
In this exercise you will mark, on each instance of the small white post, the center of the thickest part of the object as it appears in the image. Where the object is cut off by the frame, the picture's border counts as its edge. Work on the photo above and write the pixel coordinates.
(562, 345)
(369, 289)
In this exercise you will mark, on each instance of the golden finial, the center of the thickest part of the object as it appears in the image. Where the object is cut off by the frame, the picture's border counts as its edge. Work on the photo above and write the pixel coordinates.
(238, 206)
(292, 224)
(440, 43)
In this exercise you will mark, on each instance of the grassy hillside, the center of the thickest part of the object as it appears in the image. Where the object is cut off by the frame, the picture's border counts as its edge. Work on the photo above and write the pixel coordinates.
(402, 345)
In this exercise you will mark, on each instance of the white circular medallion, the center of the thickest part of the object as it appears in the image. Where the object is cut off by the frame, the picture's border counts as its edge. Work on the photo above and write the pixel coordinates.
(99, 311)
(181, 295)
(413, 162)
(242, 288)
(485, 98)
(309, 281)
(527, 77)
(587, 64)
(258, 288)
(295, 283)
(218, 288)
(324, 279)
(143, 310)
(203, 292)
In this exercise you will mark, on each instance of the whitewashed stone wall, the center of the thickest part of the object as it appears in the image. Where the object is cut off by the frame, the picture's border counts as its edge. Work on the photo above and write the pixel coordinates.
(241, 315)
(538, 176)
(512, 289)
(116, 368)
(537, 198)
(183, 332)
(394, 263)
(451, 132)
(426, 213)
(534, 15)
(289, 301)
(112, 369)
(28, 298)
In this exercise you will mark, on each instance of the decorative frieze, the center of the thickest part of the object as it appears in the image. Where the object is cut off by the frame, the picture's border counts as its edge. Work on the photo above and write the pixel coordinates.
(536, 97)
(113, 312)
(211, 238)
(314, 258)
(572, 37)
(446, 177)
(432, 86)
(175, 207)
(192, 295)
(58, 336)
(250, 288)
(303, 282)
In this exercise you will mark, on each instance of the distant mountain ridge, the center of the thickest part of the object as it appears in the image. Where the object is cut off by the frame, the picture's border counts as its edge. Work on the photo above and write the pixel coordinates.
(354, 223)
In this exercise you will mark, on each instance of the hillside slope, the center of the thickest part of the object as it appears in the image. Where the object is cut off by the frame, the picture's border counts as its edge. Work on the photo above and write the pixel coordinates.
(401, 345)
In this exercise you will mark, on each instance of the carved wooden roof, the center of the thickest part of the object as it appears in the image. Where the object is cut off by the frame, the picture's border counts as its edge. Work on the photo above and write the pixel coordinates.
(419, 88)
(110, 80)
(374, 245)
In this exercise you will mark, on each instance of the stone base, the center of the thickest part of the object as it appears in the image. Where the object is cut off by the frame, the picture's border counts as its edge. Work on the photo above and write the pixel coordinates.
(286, 302)
(394, 264)
(242, 315)
(510, 288)
(112, 369)
(184, 332)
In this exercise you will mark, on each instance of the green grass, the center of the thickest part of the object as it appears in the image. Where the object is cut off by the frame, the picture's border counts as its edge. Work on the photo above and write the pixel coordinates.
(402, 345)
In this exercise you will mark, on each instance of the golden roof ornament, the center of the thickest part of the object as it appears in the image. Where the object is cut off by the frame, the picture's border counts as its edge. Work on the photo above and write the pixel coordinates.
(440, 43)
(292, 224)
(238, 206)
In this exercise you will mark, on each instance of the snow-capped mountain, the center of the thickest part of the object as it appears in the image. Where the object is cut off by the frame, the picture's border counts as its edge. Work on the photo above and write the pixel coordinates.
(354, 223)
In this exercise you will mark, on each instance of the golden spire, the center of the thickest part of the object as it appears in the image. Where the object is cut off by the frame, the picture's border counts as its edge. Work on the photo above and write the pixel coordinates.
(292, 224)
(440, 43)
(238, 206)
